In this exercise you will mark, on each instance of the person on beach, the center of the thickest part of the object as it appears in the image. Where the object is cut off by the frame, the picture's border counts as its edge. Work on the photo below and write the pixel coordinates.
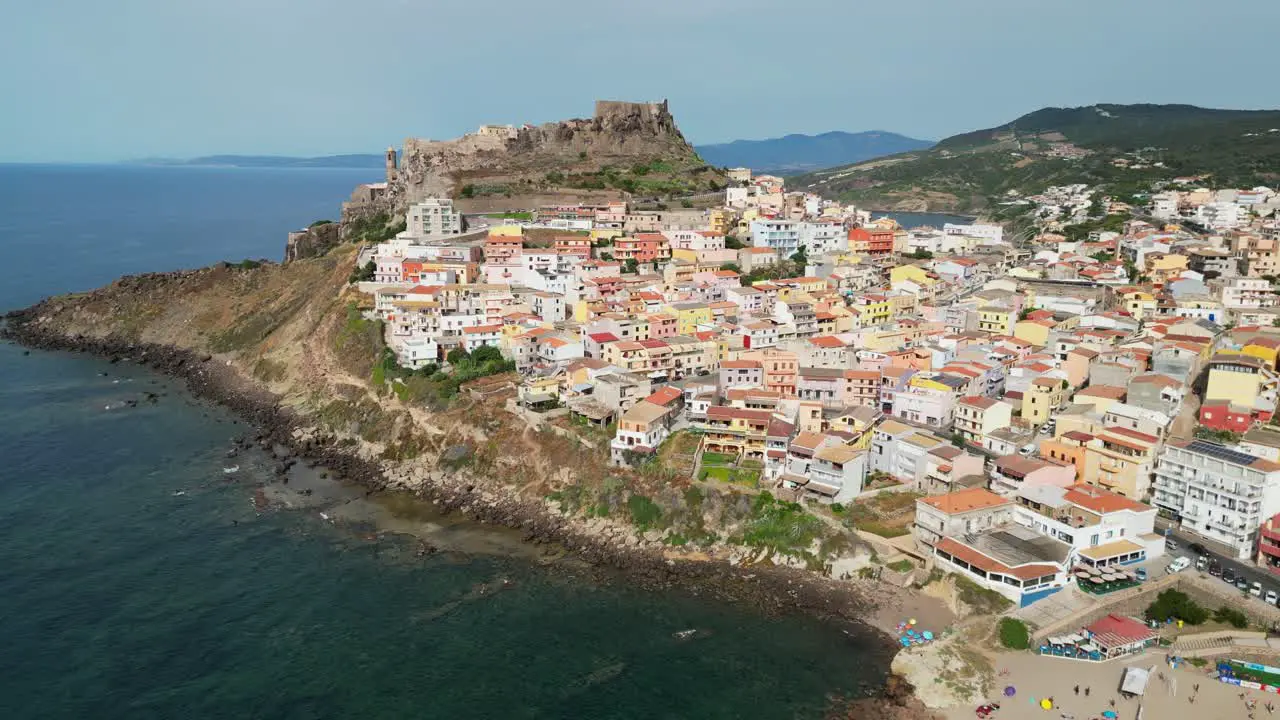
(1077, 689)
(1086, 691)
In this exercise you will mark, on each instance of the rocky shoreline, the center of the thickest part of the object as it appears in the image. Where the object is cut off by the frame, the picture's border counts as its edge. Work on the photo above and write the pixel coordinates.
(770, 589)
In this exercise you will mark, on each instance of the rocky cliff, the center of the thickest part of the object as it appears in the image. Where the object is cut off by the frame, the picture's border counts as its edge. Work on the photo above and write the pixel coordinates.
(624, 148)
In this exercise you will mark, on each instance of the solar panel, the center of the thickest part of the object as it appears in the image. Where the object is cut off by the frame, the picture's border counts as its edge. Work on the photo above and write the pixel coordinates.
(1220, 452)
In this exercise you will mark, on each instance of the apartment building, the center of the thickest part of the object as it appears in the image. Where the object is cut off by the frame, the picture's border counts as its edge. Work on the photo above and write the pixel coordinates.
(978, 416)
(1218, 493)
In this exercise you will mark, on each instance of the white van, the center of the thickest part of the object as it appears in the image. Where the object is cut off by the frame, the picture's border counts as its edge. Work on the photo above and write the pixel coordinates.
(1178, 565)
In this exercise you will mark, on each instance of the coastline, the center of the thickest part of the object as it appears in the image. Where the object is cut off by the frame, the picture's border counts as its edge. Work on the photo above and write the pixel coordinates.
(856, 605)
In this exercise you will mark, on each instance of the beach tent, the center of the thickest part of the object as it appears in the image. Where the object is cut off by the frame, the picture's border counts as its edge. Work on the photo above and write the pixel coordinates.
(1134, 681)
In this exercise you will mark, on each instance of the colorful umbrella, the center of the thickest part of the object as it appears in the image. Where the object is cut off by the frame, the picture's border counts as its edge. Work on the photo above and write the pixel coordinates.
(1010, 691)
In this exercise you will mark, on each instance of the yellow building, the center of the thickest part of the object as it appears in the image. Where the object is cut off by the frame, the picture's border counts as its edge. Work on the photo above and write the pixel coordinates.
(1264, 348)
(873, 309)
(1138, 303)
(1041, 397)
(1035, 332)
(1240, 379)
(1161, 266)
(914, 273)
(721, 220)
(1121, 460)
(996, 319)
(602, 234)
(690, 315)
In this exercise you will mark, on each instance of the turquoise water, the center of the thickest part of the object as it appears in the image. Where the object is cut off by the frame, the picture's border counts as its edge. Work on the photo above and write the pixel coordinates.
(139, 580)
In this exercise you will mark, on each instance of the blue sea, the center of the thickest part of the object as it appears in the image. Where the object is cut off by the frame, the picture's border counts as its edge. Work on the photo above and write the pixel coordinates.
(144, 573)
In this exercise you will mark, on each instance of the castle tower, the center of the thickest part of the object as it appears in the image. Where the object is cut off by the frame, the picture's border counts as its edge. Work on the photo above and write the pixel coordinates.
(391, 164)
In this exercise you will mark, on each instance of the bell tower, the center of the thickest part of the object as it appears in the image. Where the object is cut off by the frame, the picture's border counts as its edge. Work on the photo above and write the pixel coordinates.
(392, 164)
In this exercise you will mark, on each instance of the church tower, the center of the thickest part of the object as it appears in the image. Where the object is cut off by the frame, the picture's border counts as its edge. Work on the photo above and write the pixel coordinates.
(391, 164)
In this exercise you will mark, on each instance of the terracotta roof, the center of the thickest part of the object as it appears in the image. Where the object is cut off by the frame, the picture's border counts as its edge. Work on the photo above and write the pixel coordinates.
(664, 396)
(1114, 630)
(978, 401)
(740, 364)
(827, 341)
(965, 501)
(1128, 432)
(1078, 436)
(732, 413)
(1114, 392)
(963, 552)
(1101, 501)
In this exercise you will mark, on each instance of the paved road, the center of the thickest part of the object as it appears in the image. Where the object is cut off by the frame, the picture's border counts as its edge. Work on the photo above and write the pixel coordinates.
(1248, 570)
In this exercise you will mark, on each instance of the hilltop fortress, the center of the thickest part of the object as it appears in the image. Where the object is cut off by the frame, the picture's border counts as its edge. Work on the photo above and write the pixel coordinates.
(500, 164)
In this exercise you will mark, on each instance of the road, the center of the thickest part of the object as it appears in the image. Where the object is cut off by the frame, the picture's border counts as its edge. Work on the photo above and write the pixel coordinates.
(1248, 570)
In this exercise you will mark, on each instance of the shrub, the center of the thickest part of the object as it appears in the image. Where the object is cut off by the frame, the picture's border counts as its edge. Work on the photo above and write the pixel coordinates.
(645, 513)
(1233, 617)
(1176, 604)
(457, 356)
(486, 353)
(1014, 634)
(468, 191)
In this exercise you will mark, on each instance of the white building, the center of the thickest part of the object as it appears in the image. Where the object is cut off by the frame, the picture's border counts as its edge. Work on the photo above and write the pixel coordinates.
(1164, 206)
(433, 217)
(1219, 215)
(1247, 293)
(1220, 494)
(992, 233)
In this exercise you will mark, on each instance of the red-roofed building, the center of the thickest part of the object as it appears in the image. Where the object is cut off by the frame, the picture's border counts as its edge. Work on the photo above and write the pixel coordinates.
(1116, 636)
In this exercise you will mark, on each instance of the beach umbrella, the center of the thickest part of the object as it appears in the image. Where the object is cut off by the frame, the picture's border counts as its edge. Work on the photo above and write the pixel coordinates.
(1010, 691)
(928, 634)
(1110, 714)
(1047, 704)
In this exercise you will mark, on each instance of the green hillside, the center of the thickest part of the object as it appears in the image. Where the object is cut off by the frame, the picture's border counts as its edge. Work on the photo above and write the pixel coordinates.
(1123, 147)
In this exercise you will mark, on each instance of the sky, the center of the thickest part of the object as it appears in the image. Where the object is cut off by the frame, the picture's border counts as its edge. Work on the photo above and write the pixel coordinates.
(98, 80)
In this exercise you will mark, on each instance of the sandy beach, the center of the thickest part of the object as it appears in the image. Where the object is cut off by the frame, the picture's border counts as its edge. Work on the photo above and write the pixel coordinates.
(1036, 677)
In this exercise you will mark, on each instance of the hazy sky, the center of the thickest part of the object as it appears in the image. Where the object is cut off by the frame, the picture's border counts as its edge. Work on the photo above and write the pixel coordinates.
(90, 80)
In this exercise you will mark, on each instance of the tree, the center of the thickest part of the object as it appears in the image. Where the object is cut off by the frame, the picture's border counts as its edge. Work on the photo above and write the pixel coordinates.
(457, 355)
(686, 203)
(364, 273)
(468, 191)
(1103, 256)
(485, 353)
(1176, 604)
(731, 266)
(630, 265)
(921, 254)
(732, 243)
(800, 257)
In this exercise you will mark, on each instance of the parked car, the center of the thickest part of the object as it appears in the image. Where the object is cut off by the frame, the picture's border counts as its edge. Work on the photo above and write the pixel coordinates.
(1215, 568)
(1255, 589)
(1197, 548)
(1242, 584)
(1142, 574)
(1202, 563)
(1271, 598)
(1229, 576)
(1178, 565)
(1170, 544)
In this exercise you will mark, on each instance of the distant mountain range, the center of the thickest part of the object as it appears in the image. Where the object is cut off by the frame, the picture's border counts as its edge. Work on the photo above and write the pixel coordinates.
(795, 154)
(274, 161)
(1121, 148)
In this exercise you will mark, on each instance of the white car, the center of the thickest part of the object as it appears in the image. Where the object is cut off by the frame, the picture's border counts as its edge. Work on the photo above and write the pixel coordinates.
(1256, 589)
(1178, 565)
(1270, 598)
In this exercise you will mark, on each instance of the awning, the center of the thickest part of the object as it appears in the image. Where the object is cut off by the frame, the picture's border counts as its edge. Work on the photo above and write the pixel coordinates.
(1135, 680)
(1110, 550)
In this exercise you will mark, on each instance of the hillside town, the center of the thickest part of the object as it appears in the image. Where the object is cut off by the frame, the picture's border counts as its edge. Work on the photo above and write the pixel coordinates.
(1076, 396)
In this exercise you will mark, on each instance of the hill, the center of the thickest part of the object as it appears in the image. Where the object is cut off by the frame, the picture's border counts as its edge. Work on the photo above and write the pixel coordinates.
(1123, 148)
(795, 154)
(276, 161)
(624, 150)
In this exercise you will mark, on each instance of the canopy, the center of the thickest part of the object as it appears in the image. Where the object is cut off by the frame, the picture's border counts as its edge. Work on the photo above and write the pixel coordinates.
(1135, 680)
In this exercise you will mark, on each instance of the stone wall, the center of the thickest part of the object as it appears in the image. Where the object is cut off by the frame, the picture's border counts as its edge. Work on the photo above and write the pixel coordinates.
(312, 242)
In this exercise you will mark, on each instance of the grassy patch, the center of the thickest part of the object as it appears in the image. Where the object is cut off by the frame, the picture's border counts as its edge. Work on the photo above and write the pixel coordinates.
(645, 513)
(1014, 634)
(982, 600)
(780, 526)
(902, 566)
(712, 458)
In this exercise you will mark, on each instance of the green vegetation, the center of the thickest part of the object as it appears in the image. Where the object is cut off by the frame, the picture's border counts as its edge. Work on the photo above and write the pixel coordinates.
(1177, 605)
(732, 243)
(711, 458)
(525, 216)
(738, 476)
(363, 274)
(248, 264)
(1110, 223)
(645, 513)
(374, 228)
(1014, 634)
(1224, 437)
(920, 255)
(975, 170)
(630, 265)
(1232, 617)
(318, 223)
(982, 600)
(780, 526)
(903, 566)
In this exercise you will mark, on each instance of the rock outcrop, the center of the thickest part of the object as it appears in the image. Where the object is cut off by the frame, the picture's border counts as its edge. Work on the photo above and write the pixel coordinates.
(312, 242)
